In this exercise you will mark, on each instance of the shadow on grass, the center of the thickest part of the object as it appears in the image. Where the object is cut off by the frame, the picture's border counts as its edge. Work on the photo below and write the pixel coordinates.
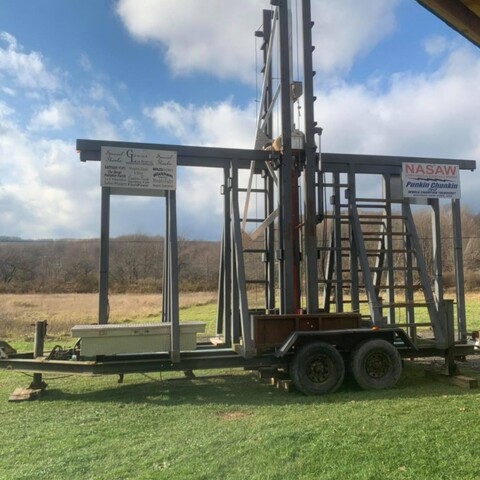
(242, 390)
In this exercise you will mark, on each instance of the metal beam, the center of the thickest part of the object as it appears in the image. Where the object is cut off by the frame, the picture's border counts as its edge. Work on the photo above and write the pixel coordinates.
(310, 211)
(187, 156)
(341, 162)
(104, 256)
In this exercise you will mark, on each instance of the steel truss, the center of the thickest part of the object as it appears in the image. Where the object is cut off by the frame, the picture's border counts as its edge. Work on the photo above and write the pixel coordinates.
(355, 255)
(368, 237)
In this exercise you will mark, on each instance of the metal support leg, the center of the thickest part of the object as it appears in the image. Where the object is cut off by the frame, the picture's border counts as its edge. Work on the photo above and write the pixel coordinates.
(104, 256)
(450, 365)
(459, 278)
(173, 277)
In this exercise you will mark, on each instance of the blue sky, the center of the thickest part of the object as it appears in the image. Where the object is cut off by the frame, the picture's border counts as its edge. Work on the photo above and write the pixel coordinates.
(392, 79)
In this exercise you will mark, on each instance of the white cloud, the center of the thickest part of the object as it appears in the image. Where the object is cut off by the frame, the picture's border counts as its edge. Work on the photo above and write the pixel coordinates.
(98, 124)
(84, 62)
(8, 91)
(99, 93)
(434, 115)
(209, 36)
(436, 45)
(44, 186)
(25, 69)
(346, 28)
(58, 115)
(216, 36)
(221, 124)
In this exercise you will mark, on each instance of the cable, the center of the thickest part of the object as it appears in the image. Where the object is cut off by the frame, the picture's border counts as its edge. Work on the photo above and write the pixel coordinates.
(256, 78)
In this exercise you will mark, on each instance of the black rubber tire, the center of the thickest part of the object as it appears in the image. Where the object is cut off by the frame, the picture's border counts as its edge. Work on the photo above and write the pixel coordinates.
(376, 364)
(318, 368)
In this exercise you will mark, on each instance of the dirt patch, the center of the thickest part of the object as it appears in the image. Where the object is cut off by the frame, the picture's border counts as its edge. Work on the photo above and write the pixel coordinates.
(233, 416)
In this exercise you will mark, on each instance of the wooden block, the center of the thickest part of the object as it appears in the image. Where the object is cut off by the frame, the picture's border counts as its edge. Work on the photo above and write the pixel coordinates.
(286, 385)
(458, 380)
(267, 372)
(465, 382)
(24, 394)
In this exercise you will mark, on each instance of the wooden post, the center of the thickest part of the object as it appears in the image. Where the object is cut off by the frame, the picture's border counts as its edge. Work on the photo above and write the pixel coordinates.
(38, 346)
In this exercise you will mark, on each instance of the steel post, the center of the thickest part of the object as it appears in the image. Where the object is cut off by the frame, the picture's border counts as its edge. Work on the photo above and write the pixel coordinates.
(104, 256)
(310, 211)
(173, 276)
(227, 261)
(288, 263)
(459, 277)
(450, 365)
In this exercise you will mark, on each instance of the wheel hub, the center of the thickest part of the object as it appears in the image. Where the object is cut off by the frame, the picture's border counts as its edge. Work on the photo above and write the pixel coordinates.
(377, 365)
(320, 369)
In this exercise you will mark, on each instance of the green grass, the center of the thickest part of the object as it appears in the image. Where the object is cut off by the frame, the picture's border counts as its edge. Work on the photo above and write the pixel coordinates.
(237, 427)
(201, 313)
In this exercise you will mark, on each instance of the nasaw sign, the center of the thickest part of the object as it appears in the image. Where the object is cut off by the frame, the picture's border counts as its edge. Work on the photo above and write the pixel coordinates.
(142, 169)
(430, 180)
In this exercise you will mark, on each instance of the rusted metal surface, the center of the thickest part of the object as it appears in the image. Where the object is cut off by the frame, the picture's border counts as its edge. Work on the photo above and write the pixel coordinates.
(271, 331)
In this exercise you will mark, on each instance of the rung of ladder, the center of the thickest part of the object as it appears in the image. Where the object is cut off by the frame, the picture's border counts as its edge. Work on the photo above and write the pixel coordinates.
(363, 205)
(383, 234)
(384, 250)
(256, 282)
(382, 269)
(254, 250)
(253, 220)
(398, 305)
(339, 185)
(253, 190)
(385, 217)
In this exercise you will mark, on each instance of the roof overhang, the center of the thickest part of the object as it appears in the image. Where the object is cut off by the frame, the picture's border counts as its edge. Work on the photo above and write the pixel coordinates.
(462, 15)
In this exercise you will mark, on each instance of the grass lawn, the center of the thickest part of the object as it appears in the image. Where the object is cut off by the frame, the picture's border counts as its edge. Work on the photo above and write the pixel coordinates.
(235, 426)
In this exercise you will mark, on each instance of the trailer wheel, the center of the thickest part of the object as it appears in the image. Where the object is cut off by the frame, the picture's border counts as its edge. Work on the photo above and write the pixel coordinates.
(376, 364)
(317, 369)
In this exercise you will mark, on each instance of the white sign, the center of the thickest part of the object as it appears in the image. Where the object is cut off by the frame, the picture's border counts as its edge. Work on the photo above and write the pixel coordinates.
(135, 168)
(430, 180)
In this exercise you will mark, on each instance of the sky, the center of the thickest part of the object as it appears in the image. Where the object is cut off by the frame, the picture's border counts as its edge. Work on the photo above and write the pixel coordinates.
(391, 79)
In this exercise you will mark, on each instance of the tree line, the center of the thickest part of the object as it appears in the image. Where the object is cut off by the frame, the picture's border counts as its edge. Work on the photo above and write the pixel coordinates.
(136, 265)
(136, 261)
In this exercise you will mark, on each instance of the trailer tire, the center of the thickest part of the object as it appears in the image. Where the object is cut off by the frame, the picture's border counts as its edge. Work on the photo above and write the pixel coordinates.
(318, 368)
(376, 364)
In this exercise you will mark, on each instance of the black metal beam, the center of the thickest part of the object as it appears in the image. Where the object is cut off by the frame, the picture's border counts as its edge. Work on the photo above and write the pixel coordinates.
(187, 156)
(141, 365)
(343, 163)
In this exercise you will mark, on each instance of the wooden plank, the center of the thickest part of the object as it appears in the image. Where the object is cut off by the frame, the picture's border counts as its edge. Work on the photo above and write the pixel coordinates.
(24, 394)
(284, 384)
(459, 380)
(461, 18)
(267, 373)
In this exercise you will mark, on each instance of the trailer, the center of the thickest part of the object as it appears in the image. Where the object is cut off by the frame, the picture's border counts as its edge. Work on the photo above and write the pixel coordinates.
(344, 279)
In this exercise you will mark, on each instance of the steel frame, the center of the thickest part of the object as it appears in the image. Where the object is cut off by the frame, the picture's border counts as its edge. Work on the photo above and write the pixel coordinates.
(295, 182)
(380, 275)
(291, 241)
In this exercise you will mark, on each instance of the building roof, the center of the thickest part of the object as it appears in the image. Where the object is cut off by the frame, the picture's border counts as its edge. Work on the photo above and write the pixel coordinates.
(462, 15)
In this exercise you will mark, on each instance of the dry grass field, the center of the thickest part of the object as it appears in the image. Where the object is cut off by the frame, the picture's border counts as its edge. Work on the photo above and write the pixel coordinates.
(62, 311)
